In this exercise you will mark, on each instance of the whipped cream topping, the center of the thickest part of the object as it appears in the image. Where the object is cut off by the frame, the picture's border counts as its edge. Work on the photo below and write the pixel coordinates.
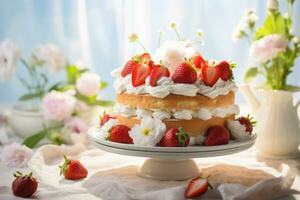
(166, 86)
(238, 130)
(202, 113)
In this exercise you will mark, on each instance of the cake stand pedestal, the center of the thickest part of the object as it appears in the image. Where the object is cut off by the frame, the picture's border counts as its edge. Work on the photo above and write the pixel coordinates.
(169, 163)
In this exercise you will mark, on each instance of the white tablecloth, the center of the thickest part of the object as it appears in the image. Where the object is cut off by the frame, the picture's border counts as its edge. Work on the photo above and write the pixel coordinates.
(114, 176)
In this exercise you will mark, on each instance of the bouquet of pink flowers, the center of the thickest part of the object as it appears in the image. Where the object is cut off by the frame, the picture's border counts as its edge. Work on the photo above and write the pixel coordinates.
(274, 46)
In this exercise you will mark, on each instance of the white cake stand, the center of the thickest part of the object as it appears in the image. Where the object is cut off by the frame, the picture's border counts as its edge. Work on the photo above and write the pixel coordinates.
(169, 163)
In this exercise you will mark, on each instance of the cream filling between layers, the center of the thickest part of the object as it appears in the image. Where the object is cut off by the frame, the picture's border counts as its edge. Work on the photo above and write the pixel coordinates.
(166, 86)
(201, 113)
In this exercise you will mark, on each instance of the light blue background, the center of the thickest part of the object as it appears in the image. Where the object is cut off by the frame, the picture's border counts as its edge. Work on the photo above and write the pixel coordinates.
(95, 31)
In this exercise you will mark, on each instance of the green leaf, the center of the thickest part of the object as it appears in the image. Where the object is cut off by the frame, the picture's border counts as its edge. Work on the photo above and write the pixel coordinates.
(29, 96)
(251, 73)
(72, 74)
(104, 103)
(292, 88)
(274, 23)
(103, 84)
(33, 140)
(56, 86)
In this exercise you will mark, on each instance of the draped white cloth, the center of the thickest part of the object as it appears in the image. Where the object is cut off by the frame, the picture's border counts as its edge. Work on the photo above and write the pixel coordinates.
(113, 177)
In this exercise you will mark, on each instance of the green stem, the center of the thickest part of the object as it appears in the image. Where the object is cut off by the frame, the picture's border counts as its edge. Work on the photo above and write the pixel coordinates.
(177, 34)
(142, 46)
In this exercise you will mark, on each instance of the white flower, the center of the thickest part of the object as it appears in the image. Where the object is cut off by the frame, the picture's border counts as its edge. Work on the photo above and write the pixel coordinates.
(296, 40)
(200, 139)
(49, 55)
(104, 130)
(250, 17)
(88, 84)
(173, 53)
(237, 130)
(15, 155)
(148, 133)
(173, 25)
(58, 106)
(272, 5)
(9, 55)
(133, 37)
(268, 47)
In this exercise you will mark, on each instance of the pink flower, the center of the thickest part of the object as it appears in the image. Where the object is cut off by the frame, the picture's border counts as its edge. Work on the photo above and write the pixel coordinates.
(88, 84)
(58, 106)
(15, 155)
(76, 125)
(268, 47)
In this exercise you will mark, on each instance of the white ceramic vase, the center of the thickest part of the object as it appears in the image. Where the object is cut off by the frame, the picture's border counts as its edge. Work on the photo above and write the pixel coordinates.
(25, 121)
(277, 122)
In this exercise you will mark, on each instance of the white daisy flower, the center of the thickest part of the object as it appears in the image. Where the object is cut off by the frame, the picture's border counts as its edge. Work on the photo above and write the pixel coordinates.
(148, 133)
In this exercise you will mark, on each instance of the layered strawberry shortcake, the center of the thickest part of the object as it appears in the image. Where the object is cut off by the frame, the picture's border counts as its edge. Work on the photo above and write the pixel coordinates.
(175, 99)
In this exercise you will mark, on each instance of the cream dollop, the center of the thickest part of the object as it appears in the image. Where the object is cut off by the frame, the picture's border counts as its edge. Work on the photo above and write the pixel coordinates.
(203, 113)
(125, 110)
(161, 115)
(220, 88)
(183, 114)
(237, 130)
(140, 113)
(161, 90)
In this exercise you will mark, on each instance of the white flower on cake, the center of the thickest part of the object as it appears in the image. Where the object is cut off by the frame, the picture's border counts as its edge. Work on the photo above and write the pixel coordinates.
(104, 130)
(49, 55)
(9, 55)
(88, 84)
(238, 130)
(268, 47)
(173, 53)
(148, 133)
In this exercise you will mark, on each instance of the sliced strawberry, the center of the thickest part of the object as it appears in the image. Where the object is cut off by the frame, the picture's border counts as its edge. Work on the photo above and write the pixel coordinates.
(139, 74)
(198, 61)
(105, 118)
(217, 135)
(145, 58)
(120, 134)
(73, 169)
(157, 72)
(196, 187)
(225, 70)
(209, 75)
(127, 69)
(184, 73)
(248, 122)
(175, 137)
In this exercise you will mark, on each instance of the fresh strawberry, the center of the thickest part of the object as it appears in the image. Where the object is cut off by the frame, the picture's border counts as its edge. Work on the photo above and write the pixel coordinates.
(198, 61)
(175, 137)
(145, 58)
(105, 118)
(225, 70)
(139, 74)
(209, 74)
(196, 187)
(248, 122)
(127, 69)
(217, 135)
(24, 185)
(73, 169)
(184, 73)
(119, 133)
(157, 72)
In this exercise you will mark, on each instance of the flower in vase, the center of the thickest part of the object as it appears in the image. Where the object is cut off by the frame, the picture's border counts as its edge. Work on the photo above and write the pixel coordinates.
(15, 155)
(88, 84)
(268, 47)
(49, 55)
(272, 5)
(58, 106)
(148, 133)
(76, 125)
(9, 55)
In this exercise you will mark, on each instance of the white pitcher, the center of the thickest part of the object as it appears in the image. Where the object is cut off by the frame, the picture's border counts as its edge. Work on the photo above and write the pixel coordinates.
(277, 122)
